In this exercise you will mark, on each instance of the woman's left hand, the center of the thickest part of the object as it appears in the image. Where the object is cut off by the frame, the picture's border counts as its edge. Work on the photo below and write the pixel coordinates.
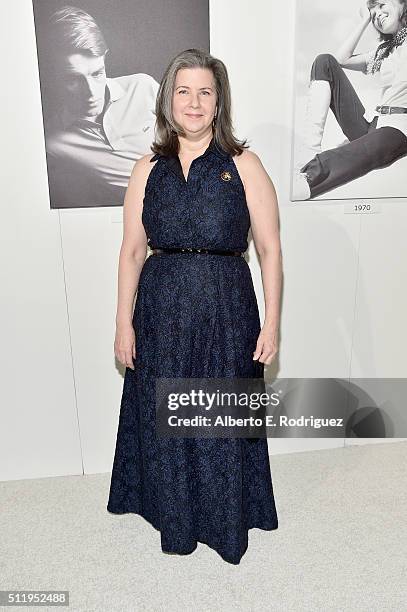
(364, 12)
(266, 347)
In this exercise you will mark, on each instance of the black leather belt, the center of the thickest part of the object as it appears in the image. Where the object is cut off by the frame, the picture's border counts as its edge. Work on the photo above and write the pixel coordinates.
(389, 110)
(158, 251)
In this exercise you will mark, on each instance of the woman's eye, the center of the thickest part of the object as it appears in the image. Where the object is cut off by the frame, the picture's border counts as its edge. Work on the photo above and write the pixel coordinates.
(182, 91)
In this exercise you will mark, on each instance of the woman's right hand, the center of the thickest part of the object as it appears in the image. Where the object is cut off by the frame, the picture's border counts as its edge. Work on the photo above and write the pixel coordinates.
(364, 12)
(125, 345)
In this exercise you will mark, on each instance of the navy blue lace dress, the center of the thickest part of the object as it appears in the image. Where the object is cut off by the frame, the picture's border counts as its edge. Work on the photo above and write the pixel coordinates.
(195, 315)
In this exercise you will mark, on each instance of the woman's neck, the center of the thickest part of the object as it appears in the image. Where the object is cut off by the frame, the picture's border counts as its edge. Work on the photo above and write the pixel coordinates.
(189, 149)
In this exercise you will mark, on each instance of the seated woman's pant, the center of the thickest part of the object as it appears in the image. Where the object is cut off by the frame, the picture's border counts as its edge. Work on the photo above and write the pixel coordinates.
(369, 147)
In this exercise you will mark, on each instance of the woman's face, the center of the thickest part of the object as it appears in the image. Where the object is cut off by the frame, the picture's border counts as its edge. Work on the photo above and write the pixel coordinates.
(194, 99)
(386, 16)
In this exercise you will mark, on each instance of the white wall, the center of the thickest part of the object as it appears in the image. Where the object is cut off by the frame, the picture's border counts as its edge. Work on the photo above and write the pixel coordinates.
(343, 299)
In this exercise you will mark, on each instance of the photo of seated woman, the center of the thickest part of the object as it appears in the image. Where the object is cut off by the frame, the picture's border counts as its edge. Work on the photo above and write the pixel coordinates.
(350, 118)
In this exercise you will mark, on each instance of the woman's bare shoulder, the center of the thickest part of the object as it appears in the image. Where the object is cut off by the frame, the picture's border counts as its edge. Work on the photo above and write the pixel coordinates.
(245, 154)
(146, 161)
(247, 159)
(247, 163)
(143, 167)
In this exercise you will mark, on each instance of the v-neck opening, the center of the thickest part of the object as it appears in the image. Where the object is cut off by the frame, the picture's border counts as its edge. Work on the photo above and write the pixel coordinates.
(182, 171)
(175, 165)
(207, 150)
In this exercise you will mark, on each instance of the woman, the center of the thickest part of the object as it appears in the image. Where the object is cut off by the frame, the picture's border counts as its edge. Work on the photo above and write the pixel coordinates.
(196, 314)
(375, 141)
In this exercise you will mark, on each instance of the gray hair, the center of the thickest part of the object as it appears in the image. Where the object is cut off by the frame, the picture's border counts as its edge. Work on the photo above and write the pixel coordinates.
(167, 130)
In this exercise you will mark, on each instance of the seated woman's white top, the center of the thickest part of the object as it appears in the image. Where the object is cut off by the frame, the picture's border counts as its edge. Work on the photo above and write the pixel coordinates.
(392, 79)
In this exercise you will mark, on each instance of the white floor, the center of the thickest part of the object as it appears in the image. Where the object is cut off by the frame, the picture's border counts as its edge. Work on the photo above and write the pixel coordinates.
(341, 543)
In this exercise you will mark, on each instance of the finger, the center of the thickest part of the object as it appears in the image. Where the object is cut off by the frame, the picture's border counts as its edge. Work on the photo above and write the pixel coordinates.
(123, 358)
(264, 352)
(259, 349)
(267, 357)
(262, 357)
(129, 360)
(272, 356)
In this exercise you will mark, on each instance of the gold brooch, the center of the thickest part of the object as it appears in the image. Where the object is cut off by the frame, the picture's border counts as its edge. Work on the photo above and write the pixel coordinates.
(226, 176)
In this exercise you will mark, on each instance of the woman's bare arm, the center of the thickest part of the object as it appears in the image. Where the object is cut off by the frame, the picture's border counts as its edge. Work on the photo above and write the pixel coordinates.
(345, 55)
(263, 208)
(262, 203)
(134, 244)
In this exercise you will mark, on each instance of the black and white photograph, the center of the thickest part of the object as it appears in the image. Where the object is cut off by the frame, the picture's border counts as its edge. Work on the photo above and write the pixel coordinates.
(204, 382)
(100, 64)
(350, 91)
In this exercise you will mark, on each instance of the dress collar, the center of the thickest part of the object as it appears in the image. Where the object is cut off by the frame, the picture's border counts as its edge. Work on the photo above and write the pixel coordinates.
(174, 163)
(213, 147)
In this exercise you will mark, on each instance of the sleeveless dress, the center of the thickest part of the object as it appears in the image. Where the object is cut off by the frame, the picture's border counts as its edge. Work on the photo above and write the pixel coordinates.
(195, 315)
